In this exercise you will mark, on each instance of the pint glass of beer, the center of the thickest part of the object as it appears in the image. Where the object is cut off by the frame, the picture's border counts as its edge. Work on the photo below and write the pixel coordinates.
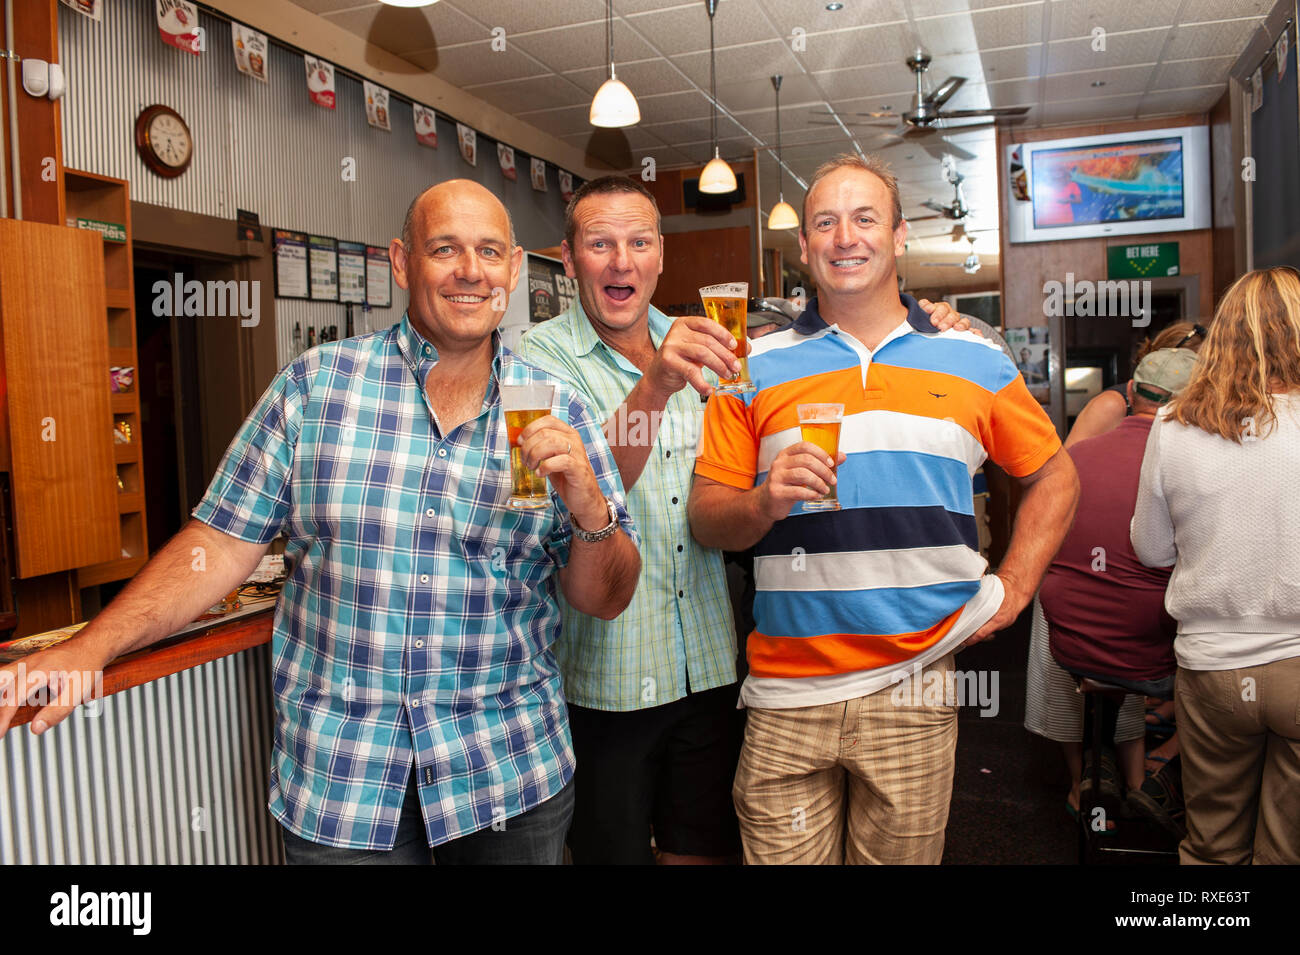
(524, 404)
(819, 424)
(728, 305)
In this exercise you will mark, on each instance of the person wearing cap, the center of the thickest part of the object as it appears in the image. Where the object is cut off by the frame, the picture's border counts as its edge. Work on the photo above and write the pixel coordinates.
(1096, 571)
(652, 694)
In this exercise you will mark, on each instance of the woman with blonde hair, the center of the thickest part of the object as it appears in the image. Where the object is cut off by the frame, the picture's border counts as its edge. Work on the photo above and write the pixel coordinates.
(1218, 501)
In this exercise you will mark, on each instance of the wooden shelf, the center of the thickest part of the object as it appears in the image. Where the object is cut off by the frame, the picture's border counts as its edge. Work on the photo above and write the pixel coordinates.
(121, 357)
(130, 502)
(118, 297)
(125, 402)
(119, 569)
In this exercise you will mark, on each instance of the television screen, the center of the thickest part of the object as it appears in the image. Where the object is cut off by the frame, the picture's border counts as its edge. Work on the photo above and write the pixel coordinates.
(1101, 184)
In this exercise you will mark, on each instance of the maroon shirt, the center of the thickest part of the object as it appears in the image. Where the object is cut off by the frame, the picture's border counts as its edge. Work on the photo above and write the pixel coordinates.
(1108, 622)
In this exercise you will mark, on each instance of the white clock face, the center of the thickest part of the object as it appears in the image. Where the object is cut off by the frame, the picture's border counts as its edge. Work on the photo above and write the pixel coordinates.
(169, 140)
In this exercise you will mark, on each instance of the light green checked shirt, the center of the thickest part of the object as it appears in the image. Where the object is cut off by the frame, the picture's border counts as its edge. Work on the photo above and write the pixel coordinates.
(677, 633)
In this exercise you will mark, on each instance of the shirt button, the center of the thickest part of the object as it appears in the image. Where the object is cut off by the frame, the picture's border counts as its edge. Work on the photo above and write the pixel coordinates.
(679, 548)
(668, 454)
(430, 513)
(424, 578)
(419, 644)
(427, 351)
(674, 500)
(680, 594)
(415, 703)
(442, 452)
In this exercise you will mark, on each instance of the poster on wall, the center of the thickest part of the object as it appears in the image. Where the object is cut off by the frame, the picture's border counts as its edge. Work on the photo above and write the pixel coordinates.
(426, 125)
(178, 25)
(379, 289)
(550, 291)
(468, 143)
(352, 271)
(377, 106)
(506, 157)
(250, 51)
(324, 258)
(290, 259)
(566, 185)
(1033, 358)
(320, 81)
(1257, 90)
(537, 167)
(1283, 47)
(87, 8)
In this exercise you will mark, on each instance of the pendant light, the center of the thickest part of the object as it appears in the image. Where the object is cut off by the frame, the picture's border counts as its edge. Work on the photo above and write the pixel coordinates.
(614, 105)
(783, 215)
(717, 176)
(409, 3)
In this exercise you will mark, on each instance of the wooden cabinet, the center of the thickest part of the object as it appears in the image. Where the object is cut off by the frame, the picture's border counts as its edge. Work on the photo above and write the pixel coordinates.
(92, 197)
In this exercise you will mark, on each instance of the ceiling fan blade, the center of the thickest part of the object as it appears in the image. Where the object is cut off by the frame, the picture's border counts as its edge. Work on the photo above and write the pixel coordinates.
(940, 148)
(946, 90)
(991, 111)
(923, 218)
(931, 204)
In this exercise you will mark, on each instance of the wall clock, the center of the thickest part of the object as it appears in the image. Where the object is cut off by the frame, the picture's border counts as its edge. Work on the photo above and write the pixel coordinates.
(163, 141)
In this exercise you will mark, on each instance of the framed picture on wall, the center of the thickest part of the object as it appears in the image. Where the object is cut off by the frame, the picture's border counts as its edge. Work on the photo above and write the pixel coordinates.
(379, 279)
(324, 267)
(290, 260)
(352, 272)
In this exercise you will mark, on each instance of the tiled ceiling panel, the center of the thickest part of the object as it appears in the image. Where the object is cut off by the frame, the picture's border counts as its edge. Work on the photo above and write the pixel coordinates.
(1156, 58)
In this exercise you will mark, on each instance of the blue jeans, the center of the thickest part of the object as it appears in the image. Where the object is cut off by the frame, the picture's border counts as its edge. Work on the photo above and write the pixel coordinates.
(533, 838)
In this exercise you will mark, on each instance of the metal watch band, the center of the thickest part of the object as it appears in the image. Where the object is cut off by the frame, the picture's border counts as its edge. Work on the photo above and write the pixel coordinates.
(608, 530)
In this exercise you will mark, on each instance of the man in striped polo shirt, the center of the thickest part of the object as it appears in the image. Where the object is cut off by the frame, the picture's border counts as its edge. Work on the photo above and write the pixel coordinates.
(849, 601)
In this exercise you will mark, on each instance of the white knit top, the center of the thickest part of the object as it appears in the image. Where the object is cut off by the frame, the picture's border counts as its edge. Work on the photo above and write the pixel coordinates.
(1227, 517)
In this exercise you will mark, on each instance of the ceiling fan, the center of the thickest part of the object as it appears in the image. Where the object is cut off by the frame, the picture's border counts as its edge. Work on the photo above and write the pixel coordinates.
(927, 116)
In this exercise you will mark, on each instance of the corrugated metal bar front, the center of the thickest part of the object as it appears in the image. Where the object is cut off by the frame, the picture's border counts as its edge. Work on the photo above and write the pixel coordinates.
(174, 771)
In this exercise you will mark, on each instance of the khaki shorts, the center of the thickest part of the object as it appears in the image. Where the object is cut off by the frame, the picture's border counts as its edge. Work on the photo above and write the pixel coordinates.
(862, 781)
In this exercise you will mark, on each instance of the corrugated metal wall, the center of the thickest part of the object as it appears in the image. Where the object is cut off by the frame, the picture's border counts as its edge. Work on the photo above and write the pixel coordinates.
(175, 771)
(266, 147)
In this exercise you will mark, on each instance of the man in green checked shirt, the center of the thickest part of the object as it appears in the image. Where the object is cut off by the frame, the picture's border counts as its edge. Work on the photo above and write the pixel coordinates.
(652, 694)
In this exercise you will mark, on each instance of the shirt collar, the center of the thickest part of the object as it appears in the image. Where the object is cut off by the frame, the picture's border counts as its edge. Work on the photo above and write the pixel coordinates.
(585, 338)
(811, 320)
(421, 355)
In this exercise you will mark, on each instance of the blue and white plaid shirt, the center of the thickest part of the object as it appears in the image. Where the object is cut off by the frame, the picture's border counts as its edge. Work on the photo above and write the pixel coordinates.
(419, 613)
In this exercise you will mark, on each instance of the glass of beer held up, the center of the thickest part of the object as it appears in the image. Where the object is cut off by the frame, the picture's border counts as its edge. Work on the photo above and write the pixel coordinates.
(524, 404)
(819, 424)
(728, 305)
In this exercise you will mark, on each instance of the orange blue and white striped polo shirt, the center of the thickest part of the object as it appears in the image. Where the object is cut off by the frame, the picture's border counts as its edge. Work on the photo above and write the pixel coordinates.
(846, 600)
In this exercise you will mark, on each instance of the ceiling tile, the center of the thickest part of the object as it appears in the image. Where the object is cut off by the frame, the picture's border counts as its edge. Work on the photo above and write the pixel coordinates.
(1126, 79)
(403, 31)
(1008, 26)
(537, 92)
(1012, 92)
(560, 122)
(1013, 63)
(523, 16)
(686, 29)
(637, 137)
(1224, 38)
(1122, 49)
(1193, 11)
(888, 83)
(475, 63)
(1204, 72)
(673, 106)
(1196, 100)
(582, 46)
(756, 61)
(890, 43)
(327, 6)
(694, 131)
(811, 16)
(757, 93)
(1078, 18)
(1102, 107)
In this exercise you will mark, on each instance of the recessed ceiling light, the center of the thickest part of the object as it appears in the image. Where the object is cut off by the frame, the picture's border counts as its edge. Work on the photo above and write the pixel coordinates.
(1097, 83)
(832, 7)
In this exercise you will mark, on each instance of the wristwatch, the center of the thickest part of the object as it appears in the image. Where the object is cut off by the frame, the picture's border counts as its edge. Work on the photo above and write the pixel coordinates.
(608, 530)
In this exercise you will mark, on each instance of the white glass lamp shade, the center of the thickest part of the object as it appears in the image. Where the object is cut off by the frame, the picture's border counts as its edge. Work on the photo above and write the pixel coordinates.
(783, 216)
(717, 176)
(614, 105)
(409, 3)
